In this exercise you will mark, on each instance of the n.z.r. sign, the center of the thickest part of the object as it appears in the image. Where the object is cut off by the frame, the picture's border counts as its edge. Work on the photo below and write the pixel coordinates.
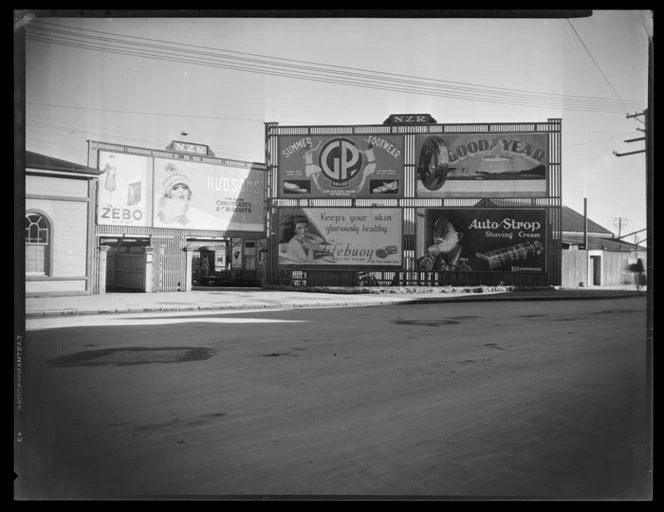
(187, 147)
(190, 148)
(409, 119)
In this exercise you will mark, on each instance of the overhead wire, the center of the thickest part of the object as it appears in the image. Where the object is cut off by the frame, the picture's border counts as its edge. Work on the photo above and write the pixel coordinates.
(423, 90)
(596, 64)
(465, 85)
(315, 72)
(170, 56)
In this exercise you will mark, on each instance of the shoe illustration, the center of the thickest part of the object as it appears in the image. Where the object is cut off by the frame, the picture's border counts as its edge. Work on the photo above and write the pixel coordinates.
(390, 186)
(292, 187)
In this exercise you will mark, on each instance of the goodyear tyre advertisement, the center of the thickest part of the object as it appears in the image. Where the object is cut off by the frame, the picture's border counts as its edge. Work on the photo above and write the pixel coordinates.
(481, 165)
(340, 237)
(357, 166)
(482, 240)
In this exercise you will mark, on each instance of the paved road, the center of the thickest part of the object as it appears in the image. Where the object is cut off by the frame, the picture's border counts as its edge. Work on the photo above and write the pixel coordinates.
(541, 400)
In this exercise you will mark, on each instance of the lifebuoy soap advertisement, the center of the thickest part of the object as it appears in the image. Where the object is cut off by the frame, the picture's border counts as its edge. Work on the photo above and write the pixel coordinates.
(500, 240)
(124, 189)
(338, 237)
(358, 166)
(193, 195)
(481, 165)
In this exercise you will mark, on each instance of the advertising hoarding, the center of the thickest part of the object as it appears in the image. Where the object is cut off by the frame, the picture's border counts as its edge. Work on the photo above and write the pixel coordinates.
(505, 240)
(481, 165)
(359, 166)
(124, 189)
(193, 195)
(340, 237)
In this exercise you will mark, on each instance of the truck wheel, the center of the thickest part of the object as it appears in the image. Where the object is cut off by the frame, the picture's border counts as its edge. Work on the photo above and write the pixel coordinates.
(433, 162)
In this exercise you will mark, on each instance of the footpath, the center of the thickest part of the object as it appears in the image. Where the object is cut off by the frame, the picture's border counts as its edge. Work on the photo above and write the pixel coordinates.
(221, 298)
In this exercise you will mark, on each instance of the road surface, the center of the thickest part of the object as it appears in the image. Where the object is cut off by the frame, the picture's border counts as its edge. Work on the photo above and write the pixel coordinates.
(528, 400)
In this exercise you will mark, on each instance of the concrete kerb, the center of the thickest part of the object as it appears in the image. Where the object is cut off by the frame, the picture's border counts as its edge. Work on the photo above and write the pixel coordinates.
(372, 299)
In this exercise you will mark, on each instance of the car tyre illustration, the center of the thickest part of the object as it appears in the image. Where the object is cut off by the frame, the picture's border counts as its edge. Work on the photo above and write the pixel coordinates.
(433, 163)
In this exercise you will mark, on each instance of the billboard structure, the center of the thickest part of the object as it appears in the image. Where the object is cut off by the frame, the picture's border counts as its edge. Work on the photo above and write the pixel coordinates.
(494, 188)
(137, 190)
(164, 212)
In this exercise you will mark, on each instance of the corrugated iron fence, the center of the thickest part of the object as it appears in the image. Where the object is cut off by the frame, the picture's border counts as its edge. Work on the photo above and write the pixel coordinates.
(410, 204)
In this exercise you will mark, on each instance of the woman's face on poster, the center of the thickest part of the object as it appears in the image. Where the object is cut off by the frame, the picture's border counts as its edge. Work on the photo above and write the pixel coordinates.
(300, 229)
(180, 192)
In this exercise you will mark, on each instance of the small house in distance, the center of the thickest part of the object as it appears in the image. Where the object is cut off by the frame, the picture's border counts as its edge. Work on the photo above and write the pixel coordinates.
(605, 261)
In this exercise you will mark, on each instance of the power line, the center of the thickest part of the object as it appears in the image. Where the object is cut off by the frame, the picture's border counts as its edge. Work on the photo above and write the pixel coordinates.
(144, 113)
(368, 84)
(315, 72)
(596, 64)
(297, 63)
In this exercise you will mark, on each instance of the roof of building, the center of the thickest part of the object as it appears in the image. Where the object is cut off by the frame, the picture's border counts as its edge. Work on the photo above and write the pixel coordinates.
(573, 223)
(596, 243)
(38, 161)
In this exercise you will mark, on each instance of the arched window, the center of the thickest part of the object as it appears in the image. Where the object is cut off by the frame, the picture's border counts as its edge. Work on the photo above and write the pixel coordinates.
(37, 244)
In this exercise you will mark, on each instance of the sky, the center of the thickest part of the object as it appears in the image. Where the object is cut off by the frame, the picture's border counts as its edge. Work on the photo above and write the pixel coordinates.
(142, 81)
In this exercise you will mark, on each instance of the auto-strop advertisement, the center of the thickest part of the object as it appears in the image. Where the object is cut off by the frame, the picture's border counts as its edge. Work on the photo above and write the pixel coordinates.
(482, 240)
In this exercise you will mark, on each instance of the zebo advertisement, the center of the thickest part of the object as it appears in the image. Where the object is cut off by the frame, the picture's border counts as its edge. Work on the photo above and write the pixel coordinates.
(338, 237)
(363, 166)
(482, 240)
(124, 189)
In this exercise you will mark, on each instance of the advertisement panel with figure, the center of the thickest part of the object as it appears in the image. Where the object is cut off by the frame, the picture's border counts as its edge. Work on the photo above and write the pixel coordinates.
(338, 237)
(482, 240)
(481, 165)
(326, 166)
(124, 189)
(193, 195)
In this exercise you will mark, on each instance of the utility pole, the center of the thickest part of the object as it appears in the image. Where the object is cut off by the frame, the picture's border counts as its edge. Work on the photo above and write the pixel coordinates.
(620, 221)
(648, 130)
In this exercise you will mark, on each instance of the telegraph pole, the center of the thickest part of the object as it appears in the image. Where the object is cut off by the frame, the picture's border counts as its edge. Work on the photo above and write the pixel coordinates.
(648, 131)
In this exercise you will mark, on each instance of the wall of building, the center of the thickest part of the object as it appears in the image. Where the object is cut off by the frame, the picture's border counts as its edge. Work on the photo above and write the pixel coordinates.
(65, 203)
(576, 267)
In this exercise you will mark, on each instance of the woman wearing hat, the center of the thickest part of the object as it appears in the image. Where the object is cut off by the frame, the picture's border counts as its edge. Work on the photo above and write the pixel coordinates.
(174, 203)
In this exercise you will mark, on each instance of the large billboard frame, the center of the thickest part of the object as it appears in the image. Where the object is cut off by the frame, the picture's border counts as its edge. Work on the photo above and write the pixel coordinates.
(548, 197)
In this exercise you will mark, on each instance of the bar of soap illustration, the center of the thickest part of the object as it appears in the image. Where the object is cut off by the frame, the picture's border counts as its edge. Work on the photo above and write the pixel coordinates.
(384, 252)
(501, 257)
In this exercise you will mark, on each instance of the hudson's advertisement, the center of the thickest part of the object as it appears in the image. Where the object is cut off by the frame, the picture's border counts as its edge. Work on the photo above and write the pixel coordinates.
(364, 166)
(124, 189)
(477, 165)
(337, 237)
(482, 240)
(192, 195)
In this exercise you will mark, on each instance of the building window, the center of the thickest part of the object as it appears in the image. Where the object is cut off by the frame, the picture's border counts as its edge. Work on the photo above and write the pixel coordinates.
(37, 244)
